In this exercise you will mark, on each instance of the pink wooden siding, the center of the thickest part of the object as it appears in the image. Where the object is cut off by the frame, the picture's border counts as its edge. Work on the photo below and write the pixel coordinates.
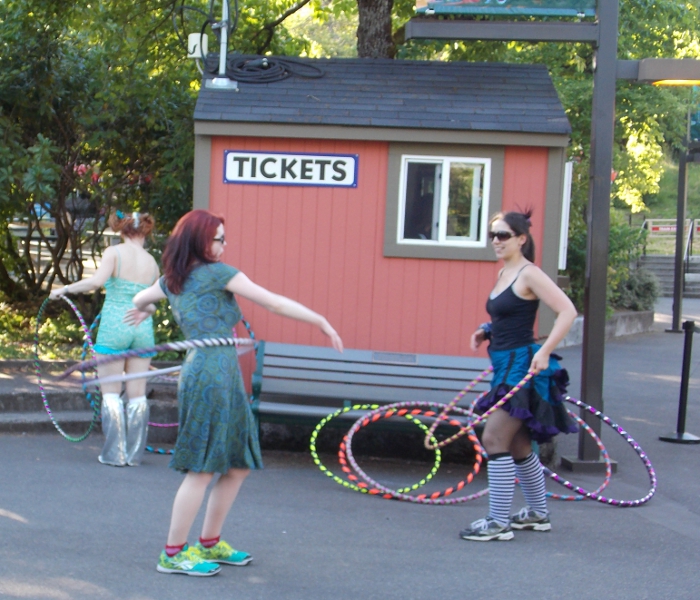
(324, 248)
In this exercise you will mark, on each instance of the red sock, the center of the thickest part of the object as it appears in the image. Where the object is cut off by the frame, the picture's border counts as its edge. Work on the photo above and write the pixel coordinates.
(173, 550)
(211, 542)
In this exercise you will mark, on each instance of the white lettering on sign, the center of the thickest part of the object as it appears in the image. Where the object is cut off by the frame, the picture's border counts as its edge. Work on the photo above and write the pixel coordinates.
(280, 168)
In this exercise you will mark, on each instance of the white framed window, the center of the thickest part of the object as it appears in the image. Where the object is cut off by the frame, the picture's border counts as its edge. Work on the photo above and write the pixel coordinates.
(439, 198)
(443, 201)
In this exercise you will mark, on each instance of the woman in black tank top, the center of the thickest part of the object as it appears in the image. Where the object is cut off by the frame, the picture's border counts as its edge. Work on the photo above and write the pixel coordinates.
(535, 412)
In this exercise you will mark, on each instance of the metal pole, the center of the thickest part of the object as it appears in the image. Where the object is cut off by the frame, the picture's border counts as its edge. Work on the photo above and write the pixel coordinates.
(679, 270)
(598, 217)
(689, 328)
(223, 45)
(680, 436)
(221, 81)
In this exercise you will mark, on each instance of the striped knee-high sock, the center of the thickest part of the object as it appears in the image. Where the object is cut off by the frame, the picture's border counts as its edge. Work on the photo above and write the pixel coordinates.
(531, 477)
(501, 475)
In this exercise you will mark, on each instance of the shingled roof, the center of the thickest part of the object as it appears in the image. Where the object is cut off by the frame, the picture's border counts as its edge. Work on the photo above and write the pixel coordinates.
(397, 93)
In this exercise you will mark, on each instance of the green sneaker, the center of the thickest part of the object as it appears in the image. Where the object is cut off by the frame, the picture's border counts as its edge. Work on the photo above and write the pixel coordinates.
(187, 562)
(222, 553)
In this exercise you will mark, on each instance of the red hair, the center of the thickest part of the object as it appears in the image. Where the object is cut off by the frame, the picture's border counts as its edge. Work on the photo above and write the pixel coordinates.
(189, 245)
(131, 224)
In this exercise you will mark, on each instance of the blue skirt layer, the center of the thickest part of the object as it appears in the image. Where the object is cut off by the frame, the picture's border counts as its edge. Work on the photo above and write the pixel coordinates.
(539, 404)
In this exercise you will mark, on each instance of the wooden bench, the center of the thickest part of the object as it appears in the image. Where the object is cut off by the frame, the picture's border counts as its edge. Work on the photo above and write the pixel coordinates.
(303, 384)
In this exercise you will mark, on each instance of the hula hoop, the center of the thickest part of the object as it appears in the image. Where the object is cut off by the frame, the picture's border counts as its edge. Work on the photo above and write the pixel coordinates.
(87, 346)
(360, 486)
(452, 403)
(177, 346)
(159, 450)
(637, 448)
(469, 427)
(154, 373)
(160, 374)
(414, 408)
(347, 457)
(604, 454)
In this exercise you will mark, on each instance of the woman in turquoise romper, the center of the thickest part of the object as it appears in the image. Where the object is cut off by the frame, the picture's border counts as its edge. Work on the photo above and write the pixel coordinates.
(125, 270)
(217, 431)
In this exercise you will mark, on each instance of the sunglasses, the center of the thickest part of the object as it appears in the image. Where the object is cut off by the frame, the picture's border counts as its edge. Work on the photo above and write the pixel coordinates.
(221, 239)
(502, 236)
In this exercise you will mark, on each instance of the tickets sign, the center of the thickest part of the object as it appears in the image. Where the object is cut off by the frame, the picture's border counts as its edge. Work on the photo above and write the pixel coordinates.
(542, 8)
(282, 168)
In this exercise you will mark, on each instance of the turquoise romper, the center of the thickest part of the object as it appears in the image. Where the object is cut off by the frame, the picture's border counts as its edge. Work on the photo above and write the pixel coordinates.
(115, 336)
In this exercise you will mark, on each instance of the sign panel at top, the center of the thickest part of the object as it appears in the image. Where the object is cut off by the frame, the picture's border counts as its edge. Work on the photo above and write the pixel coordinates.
(286, 168)
(534, 8)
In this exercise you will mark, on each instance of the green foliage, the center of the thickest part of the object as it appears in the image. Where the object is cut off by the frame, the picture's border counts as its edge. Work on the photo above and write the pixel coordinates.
(627, 287)
(166, 330)
(328, 28)
(96, 104)
(639, 291)
(61, 336)
(663, 204)
(16, 333)
(60, 333)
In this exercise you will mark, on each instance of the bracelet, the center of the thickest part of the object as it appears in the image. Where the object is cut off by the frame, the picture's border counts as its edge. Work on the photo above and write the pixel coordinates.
(486, 328)
(66, 290)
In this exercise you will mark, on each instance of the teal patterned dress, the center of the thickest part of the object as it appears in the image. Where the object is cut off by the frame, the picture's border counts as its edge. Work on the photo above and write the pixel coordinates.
(217, 429)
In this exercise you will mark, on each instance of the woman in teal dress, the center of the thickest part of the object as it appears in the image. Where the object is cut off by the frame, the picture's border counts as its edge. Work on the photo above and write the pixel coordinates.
(217, 433)
(125, 270)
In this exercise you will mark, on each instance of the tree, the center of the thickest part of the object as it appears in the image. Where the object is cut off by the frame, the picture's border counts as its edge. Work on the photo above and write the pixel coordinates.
(374, 34)
(90, 120)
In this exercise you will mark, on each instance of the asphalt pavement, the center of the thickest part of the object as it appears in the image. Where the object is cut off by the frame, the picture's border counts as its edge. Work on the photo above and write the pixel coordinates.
(73, 528)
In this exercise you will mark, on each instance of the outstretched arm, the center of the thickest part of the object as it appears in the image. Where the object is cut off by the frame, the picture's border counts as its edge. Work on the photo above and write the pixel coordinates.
(240, 284)
(96, 281)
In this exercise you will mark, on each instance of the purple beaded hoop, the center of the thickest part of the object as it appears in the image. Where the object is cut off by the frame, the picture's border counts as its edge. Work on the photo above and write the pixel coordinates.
(637, 448)
(87, 347)
(177, 346)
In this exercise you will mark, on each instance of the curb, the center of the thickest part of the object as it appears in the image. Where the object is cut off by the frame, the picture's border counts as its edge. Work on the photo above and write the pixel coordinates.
(620, 324)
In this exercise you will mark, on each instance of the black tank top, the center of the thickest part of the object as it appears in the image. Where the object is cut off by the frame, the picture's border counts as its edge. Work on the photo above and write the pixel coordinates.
(512, 319)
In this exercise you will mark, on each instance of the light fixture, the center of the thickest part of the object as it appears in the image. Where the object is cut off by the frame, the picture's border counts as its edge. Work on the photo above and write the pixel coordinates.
(669, 71)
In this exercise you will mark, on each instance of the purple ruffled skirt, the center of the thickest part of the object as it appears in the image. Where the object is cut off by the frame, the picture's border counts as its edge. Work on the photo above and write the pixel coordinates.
(539, 405)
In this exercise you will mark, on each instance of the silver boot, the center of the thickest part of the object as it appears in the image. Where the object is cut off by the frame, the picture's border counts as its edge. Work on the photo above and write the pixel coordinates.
(136, 429)
(114, 429)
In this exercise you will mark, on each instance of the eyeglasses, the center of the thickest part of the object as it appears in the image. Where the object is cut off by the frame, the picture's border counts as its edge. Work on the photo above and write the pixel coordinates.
(221, 239)
(502, 236)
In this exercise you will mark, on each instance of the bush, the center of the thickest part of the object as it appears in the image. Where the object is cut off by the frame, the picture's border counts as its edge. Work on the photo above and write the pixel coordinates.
(626, 244)
(639, 291)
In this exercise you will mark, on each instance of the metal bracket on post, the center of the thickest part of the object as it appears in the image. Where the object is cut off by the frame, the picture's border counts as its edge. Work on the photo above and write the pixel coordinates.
(680, 436)
(222, 81)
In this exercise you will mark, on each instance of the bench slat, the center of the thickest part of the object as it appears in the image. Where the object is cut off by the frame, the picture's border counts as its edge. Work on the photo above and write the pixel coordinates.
(357, 393)
(367, 356)
(306, 383)
(320, 412)
(465, 374)
(306, 410)
(342, 380)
